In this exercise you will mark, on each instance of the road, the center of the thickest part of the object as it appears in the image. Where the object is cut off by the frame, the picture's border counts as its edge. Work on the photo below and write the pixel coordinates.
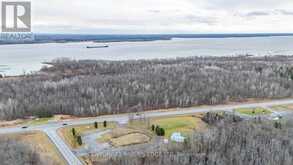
(62, 147)
(51, 128)
(91, 145)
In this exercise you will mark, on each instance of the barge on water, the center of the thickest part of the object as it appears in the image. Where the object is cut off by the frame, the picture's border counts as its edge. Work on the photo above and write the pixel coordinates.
(94, 47)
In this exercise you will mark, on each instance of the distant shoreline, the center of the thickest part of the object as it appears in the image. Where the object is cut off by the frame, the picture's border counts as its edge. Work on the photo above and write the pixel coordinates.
(71, 38)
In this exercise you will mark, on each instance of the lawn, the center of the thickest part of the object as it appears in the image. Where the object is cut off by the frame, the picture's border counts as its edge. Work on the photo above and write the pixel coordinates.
(137, 131)
(66, 133)
(182, 124)
(253, 111)
(42, 144)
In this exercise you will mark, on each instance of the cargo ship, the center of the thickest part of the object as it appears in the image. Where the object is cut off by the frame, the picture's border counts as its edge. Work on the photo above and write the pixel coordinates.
(93, 47)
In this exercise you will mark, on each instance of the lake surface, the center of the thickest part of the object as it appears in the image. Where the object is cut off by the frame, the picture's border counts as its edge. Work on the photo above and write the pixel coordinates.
(19, 59)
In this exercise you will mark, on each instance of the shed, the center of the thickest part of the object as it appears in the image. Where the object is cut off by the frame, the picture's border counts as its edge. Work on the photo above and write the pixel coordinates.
(177, 137)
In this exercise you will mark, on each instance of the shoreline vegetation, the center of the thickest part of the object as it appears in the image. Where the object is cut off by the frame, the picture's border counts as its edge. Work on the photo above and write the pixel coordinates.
(89, 88)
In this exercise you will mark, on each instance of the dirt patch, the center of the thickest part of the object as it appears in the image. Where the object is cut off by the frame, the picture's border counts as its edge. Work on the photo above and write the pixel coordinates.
(11, 123)
(64, 117)
(130, 139)
(118, 132)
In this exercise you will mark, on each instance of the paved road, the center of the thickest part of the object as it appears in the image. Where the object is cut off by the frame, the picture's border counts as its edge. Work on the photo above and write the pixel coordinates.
(62, 147)
(91, 145)
(51, 128)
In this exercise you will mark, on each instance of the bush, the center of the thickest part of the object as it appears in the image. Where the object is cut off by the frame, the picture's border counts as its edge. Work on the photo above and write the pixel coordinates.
(160, 131)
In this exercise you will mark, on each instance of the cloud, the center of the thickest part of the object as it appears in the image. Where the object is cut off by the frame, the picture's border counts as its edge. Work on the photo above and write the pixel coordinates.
(154, 11)
(257, 13)
(285, 12)
(162, 16)
(201, 19)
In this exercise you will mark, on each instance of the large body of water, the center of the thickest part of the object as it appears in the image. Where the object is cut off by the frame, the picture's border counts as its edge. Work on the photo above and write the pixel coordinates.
(17, 59)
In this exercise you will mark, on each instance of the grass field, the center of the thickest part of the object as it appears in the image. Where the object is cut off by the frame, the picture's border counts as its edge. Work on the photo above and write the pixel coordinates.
(182, 124)
(42, 144)
(46, 120)
(39, 121)
(66, 133)
(253, 111)
(288, 107)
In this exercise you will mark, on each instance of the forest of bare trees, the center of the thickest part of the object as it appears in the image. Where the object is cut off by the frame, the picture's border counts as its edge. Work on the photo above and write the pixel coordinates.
(13, 152)
(227, 142)
(91, 88)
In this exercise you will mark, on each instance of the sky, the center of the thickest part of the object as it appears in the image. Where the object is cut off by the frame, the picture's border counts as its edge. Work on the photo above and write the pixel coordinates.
(162, 16)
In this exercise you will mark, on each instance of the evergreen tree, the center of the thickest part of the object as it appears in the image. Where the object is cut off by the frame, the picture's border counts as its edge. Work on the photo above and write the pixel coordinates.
(79, 140)
(73, 131)
(96, 125)
(157, 130)
(162, 132)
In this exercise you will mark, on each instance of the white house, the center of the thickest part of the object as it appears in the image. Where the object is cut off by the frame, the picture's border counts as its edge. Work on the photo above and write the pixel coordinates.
(177, 137)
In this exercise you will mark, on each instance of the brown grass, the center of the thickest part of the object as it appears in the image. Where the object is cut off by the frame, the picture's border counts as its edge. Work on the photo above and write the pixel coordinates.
(118, 132)
(41, 143)
(11, 123)
(130, 139)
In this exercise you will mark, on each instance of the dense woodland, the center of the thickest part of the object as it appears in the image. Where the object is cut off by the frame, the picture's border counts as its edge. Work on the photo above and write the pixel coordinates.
(227, 142)
(13, 152)
(91, 88)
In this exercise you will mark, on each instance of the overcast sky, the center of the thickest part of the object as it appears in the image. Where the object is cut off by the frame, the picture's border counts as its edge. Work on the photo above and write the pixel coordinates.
(162, 16)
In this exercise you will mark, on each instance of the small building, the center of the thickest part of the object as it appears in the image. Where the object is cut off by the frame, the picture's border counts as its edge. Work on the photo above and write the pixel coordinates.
(166, 141)
(177, 137)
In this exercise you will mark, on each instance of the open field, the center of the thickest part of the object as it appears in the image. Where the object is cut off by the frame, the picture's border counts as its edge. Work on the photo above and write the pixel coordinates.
(66, 133)
(253, 111)
(182, 124)
(41, 142)
(288, 107)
